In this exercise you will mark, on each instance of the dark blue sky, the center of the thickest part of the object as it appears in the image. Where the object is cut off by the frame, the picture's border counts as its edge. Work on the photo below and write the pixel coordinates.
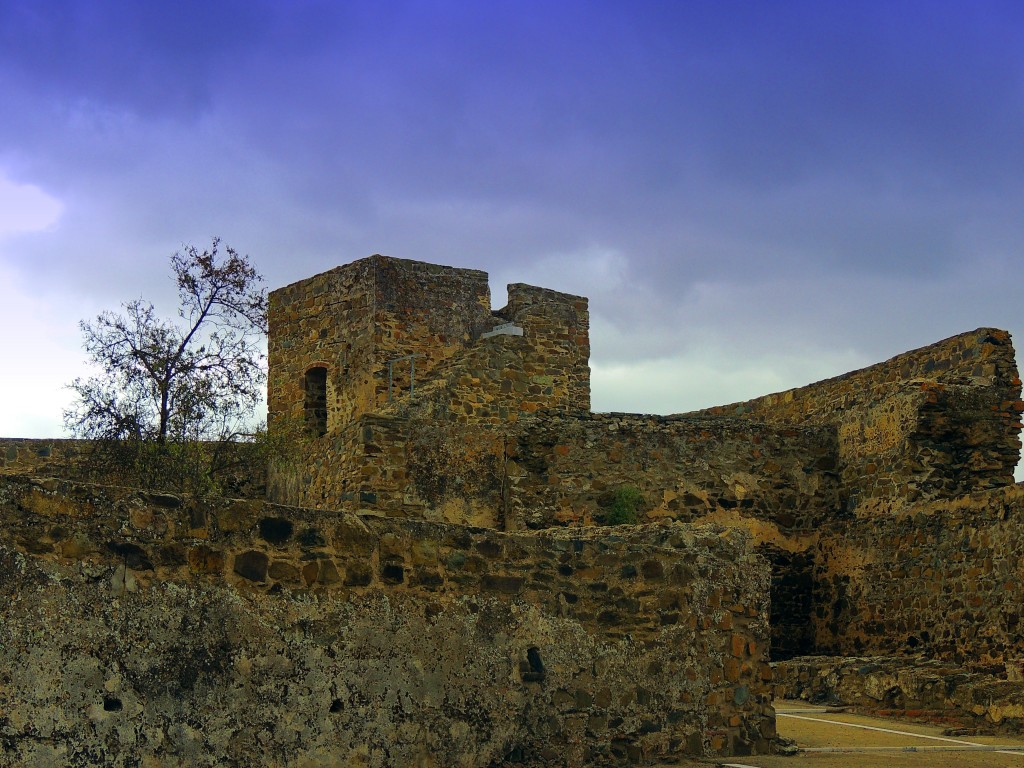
(753, 194)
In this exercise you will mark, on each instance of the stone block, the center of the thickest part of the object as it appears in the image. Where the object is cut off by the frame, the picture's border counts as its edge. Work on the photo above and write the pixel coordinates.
(205, 560)
(252, 565)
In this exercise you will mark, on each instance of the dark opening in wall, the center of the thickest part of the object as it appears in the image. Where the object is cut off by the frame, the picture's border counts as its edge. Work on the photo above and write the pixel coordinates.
(112, 704)
(792, 589)
(315, 407)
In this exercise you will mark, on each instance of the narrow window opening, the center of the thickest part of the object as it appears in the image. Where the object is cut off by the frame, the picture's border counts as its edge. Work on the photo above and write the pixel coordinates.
(315, 384)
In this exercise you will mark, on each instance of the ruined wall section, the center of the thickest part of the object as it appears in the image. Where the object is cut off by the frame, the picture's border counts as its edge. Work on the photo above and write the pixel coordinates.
(935, 422)
(39, 456)
(932, 690)
(942, 578)
(427, 310)
(551, 470)
(567, 467)
(366, 639)
(238, 467)
(537, 360)
(557, 326)
(777, 483)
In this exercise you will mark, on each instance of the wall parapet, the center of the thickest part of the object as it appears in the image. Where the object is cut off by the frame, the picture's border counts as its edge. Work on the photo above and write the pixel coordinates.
(237, 467)
(38, 455)
(557, 469)
(685, 467)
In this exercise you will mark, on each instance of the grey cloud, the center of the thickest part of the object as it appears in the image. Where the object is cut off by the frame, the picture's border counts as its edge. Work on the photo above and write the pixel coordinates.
(781, 183)
(153, 59)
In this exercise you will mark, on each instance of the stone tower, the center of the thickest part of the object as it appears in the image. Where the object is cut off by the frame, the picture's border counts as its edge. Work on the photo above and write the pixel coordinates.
(352, 340)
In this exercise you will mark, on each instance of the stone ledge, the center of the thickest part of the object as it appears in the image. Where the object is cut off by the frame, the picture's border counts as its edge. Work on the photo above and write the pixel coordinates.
(914, 688)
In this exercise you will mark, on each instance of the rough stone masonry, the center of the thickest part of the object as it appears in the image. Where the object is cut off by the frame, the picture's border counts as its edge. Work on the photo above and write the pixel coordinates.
(150, 629)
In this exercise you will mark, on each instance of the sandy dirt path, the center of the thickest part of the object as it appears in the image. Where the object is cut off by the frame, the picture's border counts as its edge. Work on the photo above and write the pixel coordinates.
(873, 742)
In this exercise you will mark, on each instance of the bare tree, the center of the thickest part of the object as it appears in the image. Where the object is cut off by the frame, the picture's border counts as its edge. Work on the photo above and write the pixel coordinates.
(199, 377)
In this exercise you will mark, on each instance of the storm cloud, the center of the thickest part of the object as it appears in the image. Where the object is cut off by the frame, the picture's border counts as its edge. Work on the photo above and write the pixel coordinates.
(754, 195)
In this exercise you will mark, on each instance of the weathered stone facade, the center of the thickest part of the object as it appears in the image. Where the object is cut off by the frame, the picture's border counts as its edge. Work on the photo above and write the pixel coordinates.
(510, 414)
(46, 457)
(498, 433)
(380, 327)
(875, 495)
(916, 687)
(238, 467)
(173, 631)
(941, 578)
(685, 467)
(419, 370)
(936, 422)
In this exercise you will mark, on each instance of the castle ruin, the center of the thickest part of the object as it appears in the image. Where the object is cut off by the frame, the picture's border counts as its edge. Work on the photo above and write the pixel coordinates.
(495, 430)
(432, 580)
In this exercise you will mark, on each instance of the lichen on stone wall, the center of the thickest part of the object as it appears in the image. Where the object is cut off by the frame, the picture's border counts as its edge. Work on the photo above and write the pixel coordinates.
(498, 433)
(684, 467)
(423, 358)
(915, 687)
(362, 322)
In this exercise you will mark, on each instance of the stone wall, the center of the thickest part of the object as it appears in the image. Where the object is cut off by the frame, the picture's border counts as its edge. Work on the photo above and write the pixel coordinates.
(238, 468)
(39, 456)
(559, 470)
(236, 633)
(426, 310)
(916, 688)
(555, 469)
(567, 467)
(398, 467)
(326, 320)
(498, 379)
(935, 422)
(779, 484)
(557, 326)
(845, 485)
(942, 578)
(353, 320)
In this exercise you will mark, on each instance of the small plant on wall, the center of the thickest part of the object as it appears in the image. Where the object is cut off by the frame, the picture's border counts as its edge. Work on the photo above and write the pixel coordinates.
(621, 506)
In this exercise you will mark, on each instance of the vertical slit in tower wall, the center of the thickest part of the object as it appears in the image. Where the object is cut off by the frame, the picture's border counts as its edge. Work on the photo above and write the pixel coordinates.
(315, 407)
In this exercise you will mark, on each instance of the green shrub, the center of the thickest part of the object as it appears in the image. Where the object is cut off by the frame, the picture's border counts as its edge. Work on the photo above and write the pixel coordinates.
(623, 506)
